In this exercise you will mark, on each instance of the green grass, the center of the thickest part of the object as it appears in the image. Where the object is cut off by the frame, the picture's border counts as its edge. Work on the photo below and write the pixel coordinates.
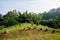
(14, 33)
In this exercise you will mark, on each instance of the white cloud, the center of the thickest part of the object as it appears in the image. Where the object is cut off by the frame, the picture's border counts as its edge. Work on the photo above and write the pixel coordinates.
(30, 5)
(43, 5)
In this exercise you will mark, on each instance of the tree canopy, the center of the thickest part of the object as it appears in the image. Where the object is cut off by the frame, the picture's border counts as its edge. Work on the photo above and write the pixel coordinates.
(51, 18)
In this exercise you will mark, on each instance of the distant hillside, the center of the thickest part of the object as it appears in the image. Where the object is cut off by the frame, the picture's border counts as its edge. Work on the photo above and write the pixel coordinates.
(52, 13)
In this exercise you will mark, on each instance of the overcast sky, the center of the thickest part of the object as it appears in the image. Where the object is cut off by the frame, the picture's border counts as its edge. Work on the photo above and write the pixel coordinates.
(30, 5)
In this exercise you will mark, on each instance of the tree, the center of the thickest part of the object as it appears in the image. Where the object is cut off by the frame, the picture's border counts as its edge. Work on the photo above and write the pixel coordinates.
(11, 18)
(1, 19)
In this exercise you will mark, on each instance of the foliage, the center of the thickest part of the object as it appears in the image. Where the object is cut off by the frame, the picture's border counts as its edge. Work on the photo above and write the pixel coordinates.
(50, 18)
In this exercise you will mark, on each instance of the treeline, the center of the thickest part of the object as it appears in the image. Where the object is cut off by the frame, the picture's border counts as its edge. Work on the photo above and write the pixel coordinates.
(51, 18)
(16, 17)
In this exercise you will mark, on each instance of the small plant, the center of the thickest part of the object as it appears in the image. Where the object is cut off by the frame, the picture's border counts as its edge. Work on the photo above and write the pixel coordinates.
(4, 32)
(53, 31)
(45, 30)
(28, 28)
(20, 30)
(34, 28)
(40, 29)
(23, 28)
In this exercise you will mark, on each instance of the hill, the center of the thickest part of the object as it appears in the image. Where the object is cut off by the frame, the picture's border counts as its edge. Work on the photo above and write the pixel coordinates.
(52, 14)
(21, 32)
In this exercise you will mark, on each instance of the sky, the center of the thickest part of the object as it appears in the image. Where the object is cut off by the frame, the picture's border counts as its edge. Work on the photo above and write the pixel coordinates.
(38, 6)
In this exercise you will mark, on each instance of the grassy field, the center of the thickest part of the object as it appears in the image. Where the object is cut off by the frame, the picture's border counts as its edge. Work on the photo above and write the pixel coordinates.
(17, 33)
